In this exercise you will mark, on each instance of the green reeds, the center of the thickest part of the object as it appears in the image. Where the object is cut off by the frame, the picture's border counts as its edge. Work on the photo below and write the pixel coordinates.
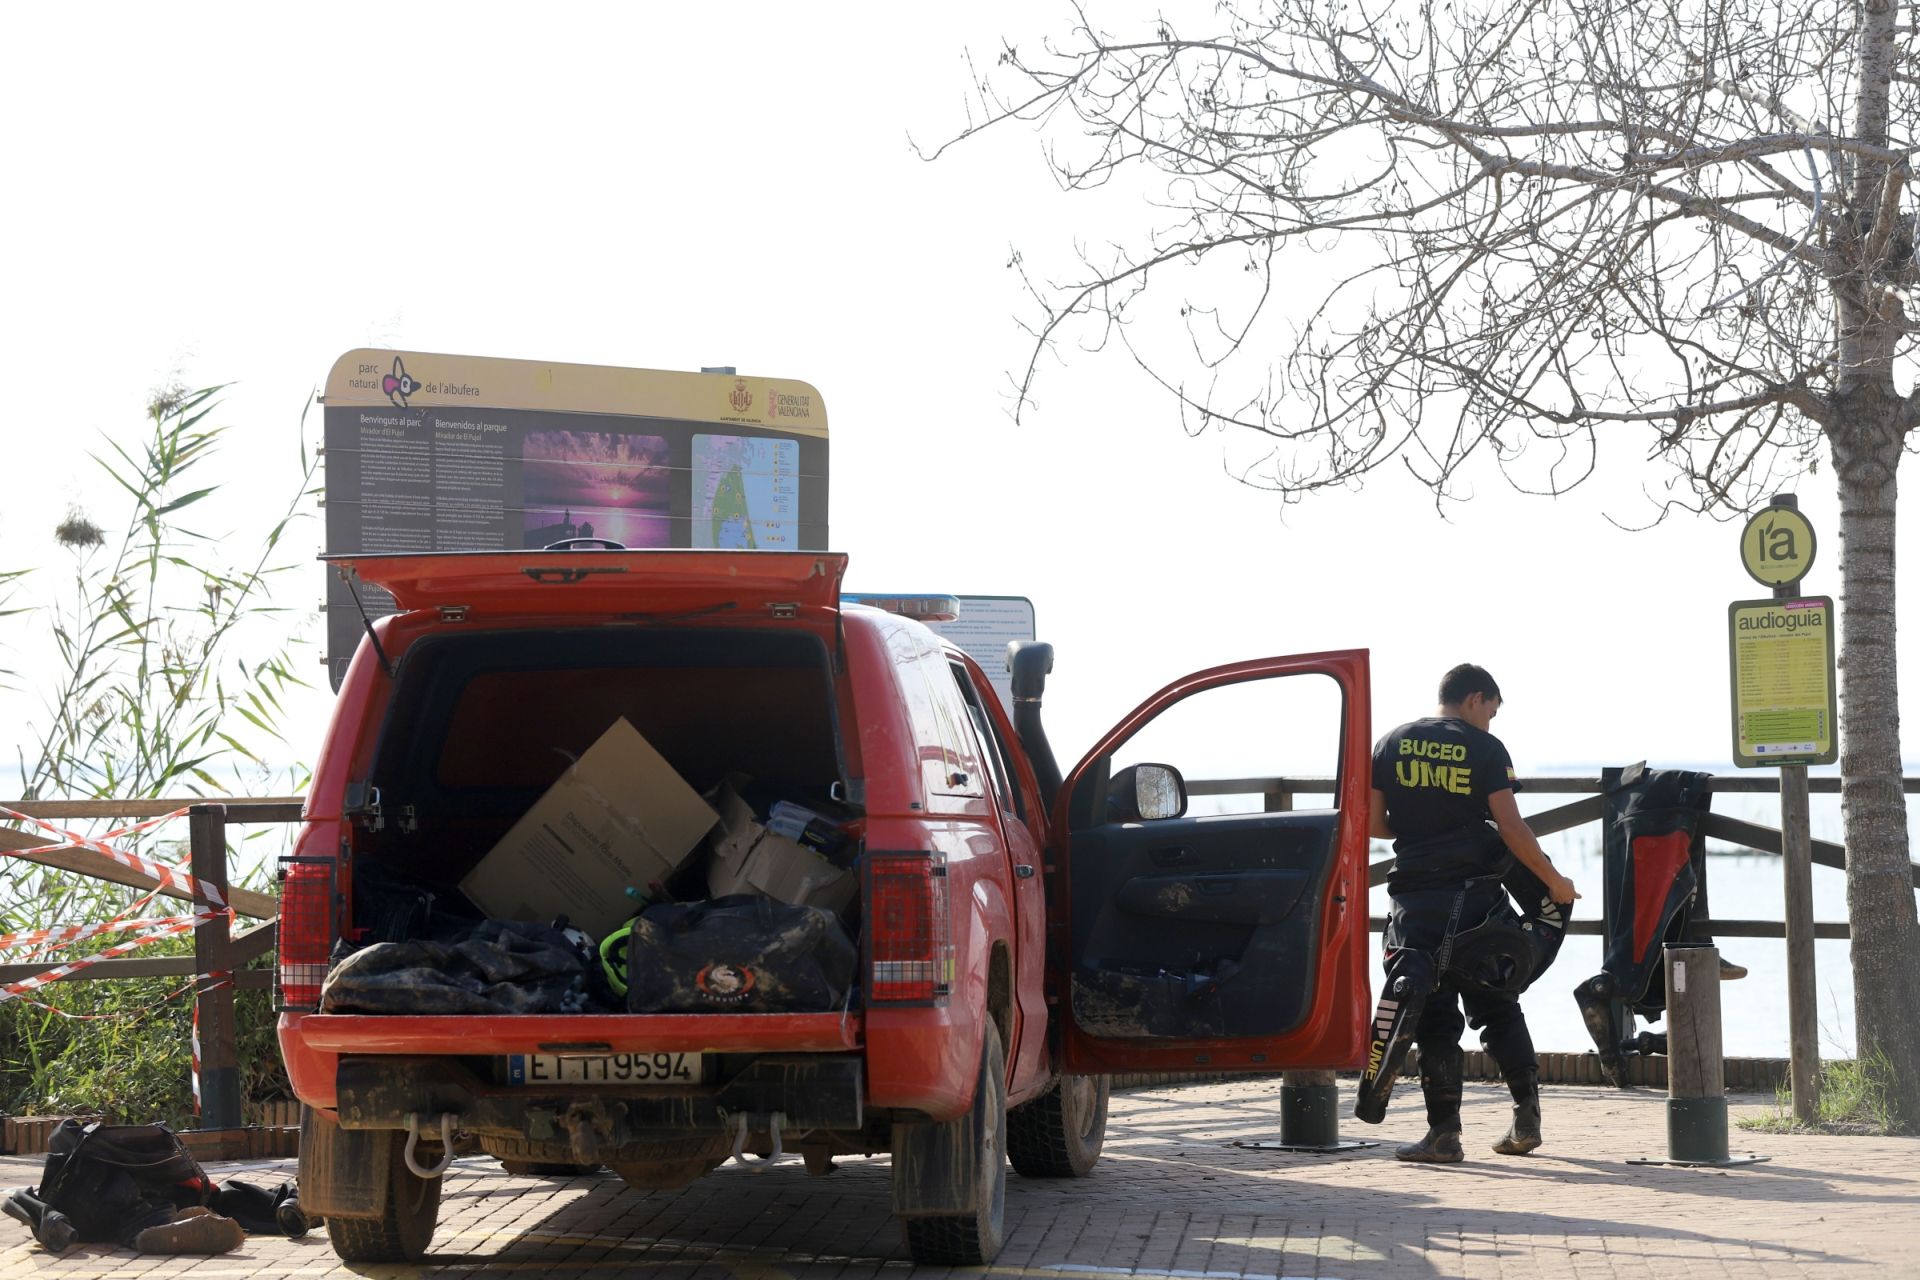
(167, 665)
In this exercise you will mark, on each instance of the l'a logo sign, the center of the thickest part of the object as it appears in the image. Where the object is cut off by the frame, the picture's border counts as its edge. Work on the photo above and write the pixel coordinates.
(1777, 546)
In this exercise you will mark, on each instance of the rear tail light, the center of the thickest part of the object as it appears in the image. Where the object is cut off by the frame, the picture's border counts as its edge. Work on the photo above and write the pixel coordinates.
(909, 928)
(306, 931)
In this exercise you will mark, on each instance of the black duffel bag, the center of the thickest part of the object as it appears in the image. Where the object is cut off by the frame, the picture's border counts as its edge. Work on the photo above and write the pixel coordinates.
(740, 954)
(134, 1185)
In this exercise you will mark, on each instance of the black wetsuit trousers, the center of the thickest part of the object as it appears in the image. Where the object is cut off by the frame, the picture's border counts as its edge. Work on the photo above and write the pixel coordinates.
(1423, 919)
(1502, 1026)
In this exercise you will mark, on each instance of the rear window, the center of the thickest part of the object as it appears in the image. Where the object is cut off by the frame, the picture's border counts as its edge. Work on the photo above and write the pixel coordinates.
(492, 719)
(518, 728)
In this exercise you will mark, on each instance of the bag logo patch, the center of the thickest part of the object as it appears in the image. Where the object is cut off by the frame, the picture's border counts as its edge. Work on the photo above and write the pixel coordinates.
(725, 983)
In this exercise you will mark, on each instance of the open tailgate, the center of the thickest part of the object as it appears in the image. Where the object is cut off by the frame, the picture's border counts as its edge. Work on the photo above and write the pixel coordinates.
(606, 583)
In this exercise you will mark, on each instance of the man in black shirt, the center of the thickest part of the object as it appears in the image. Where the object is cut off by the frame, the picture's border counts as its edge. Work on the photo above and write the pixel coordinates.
(1438, 783)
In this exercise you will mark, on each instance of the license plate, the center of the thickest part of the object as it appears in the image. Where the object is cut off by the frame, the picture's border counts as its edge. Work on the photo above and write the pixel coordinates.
(606, 1068)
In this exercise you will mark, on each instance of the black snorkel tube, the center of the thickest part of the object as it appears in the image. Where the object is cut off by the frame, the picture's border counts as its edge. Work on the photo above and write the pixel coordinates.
(1031, 662)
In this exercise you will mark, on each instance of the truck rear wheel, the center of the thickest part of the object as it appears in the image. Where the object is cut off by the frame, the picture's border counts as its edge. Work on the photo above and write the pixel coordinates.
(977, 1144)
(1059, 1134)
(407, 1218)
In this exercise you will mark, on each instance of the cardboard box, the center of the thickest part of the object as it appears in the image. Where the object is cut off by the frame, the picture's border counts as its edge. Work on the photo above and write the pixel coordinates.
(619, 817)
(748, 858)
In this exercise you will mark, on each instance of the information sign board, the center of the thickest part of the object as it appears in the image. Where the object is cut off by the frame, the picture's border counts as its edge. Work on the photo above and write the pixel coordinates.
(986, 625)
(1781, 659)
(432, 453)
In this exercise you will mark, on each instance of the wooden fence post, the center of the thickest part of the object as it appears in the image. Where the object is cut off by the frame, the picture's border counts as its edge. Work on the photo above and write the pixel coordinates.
(212, 953)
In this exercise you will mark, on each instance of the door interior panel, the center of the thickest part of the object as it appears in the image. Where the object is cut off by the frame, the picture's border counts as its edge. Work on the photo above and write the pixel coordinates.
(1233, 897)
(1199, 928)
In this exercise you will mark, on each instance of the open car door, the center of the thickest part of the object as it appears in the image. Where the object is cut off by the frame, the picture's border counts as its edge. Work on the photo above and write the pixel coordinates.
(1208, 920)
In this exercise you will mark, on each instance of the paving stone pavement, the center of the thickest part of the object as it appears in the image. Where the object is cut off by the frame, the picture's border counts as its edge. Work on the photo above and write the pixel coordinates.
(1173, 1197)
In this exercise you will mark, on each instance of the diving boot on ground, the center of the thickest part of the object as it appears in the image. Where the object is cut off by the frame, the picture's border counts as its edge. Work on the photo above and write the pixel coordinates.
(50, 1227)
(1440, 1146)
(1594, 997)
(196, 1230)
(1524, 1134)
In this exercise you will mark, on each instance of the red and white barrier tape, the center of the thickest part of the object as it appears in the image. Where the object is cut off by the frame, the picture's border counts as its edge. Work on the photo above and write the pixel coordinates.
(64, 934)
(169, 877)
(193, 1050)
(181, 924)
(219, 980)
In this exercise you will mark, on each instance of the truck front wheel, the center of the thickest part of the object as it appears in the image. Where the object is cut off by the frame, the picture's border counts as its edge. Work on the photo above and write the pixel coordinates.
(1059, 1133)
(408, 1213)
(961, 1163)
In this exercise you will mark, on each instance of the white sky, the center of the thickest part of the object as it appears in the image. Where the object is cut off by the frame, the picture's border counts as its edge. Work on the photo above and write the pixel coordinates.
(243, 192)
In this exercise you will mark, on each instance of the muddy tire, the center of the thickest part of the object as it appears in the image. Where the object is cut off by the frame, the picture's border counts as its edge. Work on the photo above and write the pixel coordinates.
(1059, 1133)
(972, 1238)
(405, 1226)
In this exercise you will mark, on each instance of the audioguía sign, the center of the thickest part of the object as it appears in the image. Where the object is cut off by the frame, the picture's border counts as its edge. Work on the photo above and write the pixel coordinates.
(430, 453)
(1785, 706)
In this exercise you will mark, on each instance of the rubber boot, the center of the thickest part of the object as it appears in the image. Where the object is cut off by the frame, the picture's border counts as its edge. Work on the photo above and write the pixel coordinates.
(1595, 998)
(52, 1228)
(1440, 1074)
(1524, 1134)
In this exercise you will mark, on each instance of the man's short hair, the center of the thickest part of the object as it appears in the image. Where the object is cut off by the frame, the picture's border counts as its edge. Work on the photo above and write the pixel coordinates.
(1463, 682)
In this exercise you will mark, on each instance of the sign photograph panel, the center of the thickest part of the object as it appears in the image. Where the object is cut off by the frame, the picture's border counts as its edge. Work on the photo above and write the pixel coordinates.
(1785, 706)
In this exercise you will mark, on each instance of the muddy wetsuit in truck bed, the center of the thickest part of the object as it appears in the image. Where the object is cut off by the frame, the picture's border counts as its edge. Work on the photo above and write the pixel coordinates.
(1452, 937)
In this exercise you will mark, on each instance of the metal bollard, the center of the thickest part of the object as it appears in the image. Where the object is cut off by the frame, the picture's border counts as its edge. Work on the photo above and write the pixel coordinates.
(1696, 1070)
(1309, 1116)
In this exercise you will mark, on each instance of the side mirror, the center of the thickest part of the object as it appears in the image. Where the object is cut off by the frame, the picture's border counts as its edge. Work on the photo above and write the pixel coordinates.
(1146, 793)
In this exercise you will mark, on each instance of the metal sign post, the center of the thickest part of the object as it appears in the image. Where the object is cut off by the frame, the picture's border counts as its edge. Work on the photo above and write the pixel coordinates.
(1785, 712)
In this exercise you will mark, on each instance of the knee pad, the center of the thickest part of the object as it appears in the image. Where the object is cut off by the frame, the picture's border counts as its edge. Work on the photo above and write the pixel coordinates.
(1411, 976)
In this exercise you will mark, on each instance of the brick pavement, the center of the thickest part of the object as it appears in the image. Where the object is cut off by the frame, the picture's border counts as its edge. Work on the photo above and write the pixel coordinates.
(1173, 1198)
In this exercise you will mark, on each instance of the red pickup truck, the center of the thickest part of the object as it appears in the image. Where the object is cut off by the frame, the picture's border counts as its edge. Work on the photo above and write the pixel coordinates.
(1021, 936)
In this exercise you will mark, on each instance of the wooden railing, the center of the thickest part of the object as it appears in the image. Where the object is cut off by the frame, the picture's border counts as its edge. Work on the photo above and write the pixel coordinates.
(218, 952)
(1280, 794)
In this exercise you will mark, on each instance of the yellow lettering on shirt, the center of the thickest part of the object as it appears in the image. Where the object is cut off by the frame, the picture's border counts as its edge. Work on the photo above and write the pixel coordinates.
(1433, 750)
(1420, 774)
